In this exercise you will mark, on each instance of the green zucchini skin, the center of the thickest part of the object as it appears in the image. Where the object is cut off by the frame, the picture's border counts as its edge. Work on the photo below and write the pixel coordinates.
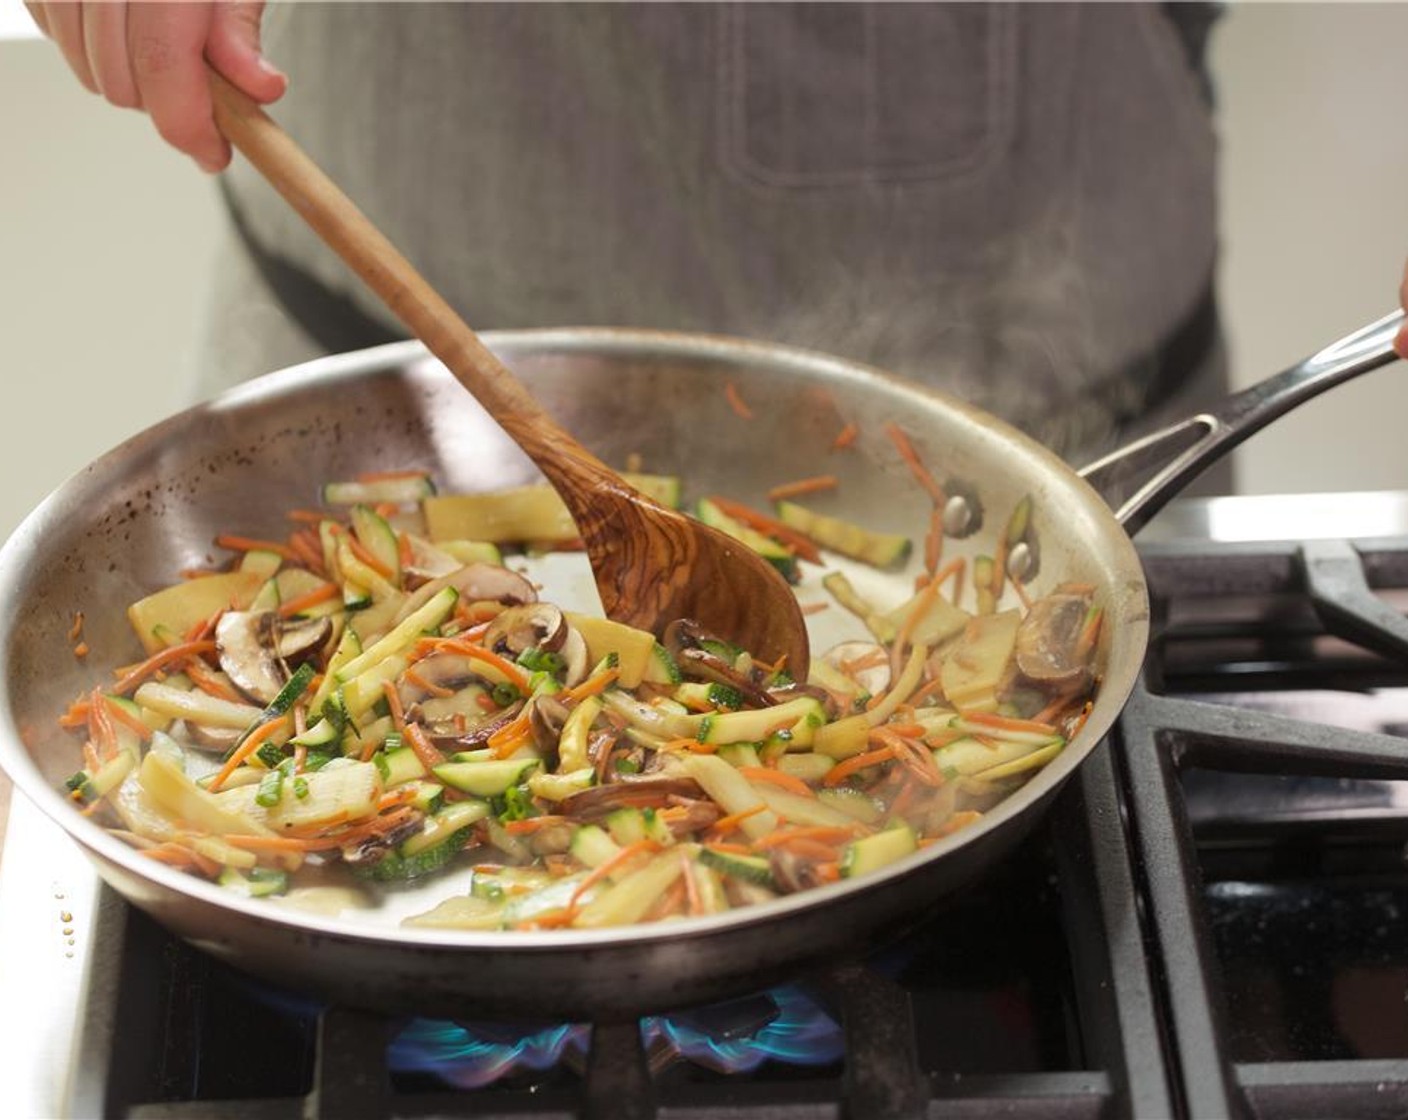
(398, 766)
(444, 833)
(718, 738)
(874, 852)
(881, 550)
(485, 779)
(398, 867)
(751, 869)
(775, 554)
(375, 532)
(799, 718)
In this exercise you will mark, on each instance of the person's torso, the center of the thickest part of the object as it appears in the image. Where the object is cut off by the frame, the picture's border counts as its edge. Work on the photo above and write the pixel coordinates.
(1013, 202)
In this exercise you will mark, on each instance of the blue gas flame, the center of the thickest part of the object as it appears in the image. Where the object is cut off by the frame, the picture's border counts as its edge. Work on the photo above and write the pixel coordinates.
(473, 1055)
(470, 1058)
(801, 1035)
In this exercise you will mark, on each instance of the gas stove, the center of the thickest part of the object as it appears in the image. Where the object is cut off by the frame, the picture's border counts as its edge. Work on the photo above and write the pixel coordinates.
(1212, 921)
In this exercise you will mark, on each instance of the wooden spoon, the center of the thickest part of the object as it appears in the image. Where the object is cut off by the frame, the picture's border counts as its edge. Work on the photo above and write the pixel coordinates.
(652, 565)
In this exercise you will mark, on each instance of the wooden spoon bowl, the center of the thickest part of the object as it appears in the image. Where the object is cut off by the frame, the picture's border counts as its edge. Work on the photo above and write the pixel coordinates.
(652, 565)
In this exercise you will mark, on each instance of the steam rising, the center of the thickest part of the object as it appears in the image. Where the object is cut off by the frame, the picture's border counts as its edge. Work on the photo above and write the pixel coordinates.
(1013, 340)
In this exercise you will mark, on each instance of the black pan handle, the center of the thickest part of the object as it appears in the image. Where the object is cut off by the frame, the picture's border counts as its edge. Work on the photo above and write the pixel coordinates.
(1157, 466)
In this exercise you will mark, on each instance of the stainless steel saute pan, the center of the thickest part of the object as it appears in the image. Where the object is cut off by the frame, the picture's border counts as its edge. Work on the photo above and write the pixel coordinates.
(135, 518)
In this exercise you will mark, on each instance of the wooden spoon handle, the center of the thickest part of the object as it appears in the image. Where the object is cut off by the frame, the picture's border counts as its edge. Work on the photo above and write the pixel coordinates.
(353, 236)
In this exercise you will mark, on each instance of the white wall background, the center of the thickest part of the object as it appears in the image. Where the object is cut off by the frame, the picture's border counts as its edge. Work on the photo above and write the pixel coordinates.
(1314, 125)
(106, 239)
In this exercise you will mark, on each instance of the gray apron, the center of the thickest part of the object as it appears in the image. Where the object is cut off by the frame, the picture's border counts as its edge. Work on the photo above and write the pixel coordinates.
(1012, 202)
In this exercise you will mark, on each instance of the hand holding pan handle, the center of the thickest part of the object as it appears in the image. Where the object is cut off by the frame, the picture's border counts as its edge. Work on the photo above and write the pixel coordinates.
(1157, 466)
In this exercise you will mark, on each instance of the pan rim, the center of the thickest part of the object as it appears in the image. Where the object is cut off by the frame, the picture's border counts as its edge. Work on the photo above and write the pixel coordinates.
(405, 358)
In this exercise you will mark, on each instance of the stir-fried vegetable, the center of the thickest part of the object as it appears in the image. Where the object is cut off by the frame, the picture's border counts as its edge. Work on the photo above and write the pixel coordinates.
(380, 693)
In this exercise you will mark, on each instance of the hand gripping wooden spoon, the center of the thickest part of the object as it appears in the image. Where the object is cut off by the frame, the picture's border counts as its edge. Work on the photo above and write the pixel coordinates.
(652, 564)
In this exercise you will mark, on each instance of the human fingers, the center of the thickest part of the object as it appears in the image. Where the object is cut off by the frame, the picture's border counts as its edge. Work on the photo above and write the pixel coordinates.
(63, 23)
(105, 45)
(37, 13)
(233, 48)
(166, 43)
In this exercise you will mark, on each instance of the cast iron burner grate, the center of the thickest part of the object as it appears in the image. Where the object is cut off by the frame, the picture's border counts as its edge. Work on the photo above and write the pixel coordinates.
(1234, 805)
(1149, 922)
(1011, 998)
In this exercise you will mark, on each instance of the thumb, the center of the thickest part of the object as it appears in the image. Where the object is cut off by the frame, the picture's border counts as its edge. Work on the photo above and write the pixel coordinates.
(233, 48)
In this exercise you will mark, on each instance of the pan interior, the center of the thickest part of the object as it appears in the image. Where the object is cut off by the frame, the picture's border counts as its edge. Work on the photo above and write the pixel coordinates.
(136, 518)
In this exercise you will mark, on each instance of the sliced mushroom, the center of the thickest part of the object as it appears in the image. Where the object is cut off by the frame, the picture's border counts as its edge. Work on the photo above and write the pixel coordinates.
(255, 647)
(532, 626)
(544, 627)
(1048, 650)
(547, 717)
(245, 643)
(426, 563)
(684, 633)
(604, 742)
(791, 872)
(431, 676)
(476, 736)
(687, 644)
(700, 664)
(697, 816)
(294, 639)
(375, 849)
(629, 793)
(460, 713)
(489, 583)
(214, 739)
(476, 583)
(797, 689)
(627, 761)
(865, 663)
(685, 639)
(575, 658)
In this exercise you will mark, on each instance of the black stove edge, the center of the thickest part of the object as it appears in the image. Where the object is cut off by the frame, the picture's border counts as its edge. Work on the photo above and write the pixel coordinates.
(1157, 736)
(1126, 1028)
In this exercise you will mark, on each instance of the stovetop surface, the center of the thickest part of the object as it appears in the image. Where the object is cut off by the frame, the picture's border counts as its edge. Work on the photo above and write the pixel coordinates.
(1210, 922)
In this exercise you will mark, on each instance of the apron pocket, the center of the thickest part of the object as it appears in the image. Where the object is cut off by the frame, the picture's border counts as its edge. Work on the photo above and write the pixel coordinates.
(836, 94)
